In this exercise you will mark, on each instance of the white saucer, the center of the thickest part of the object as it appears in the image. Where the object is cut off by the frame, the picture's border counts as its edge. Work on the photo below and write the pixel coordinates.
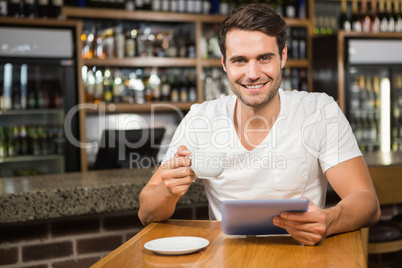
(176, 245)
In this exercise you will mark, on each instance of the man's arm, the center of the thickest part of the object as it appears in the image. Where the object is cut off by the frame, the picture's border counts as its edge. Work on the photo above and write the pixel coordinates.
(358, 208)
(170, 181)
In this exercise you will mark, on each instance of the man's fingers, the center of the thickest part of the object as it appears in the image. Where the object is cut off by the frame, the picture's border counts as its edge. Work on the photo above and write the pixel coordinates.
(183, 151)
(176, 162)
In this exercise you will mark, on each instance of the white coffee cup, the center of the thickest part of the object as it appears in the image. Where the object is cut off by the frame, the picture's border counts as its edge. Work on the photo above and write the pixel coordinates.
(208, 165)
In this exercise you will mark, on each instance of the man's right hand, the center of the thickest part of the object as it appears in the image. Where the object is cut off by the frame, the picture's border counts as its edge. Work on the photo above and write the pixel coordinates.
(176, 175)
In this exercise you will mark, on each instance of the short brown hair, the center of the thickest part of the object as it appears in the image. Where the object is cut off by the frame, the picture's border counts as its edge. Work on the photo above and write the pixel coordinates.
(254, 17)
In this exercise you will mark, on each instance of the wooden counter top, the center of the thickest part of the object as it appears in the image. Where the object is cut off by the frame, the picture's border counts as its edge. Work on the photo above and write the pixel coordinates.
(343, 250)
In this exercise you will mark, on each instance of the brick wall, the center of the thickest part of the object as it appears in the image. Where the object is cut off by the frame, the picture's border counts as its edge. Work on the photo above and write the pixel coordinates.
(75, 241)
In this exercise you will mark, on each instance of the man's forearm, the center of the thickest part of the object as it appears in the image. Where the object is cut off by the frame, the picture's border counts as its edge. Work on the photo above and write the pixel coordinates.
(357, 210)
(156, 204)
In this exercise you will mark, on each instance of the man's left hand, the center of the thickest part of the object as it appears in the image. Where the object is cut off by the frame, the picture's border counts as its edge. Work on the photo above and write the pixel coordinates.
(308, 228)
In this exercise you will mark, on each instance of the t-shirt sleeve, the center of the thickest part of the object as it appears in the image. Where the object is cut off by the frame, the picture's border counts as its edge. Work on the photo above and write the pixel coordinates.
(338, 143)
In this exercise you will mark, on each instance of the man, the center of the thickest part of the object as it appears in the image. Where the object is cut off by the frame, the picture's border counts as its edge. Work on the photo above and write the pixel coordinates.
(278, 144)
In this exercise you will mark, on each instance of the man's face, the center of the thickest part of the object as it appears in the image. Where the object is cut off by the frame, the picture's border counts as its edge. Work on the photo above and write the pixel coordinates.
(253, 65)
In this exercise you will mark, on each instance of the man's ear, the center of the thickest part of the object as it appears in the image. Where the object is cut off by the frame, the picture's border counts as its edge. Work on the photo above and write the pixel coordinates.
(223, 63)
(284, 56)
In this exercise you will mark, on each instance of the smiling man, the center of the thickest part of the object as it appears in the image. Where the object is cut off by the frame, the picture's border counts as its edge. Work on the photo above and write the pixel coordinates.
(278, 144)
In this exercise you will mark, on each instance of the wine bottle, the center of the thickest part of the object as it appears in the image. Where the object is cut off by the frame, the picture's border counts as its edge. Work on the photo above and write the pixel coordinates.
(355, 95)
(376, 88)
(165, 88)
(30, 8)
(107, 86)
(364, 17)
(24, 85)
(139, 4)
(15, 7)
(56, 8)
(223, 7)
(3, 142)
(344, 22)
(370, 94)
(147, 5)
(290, 8)
(3, 11)
(383, 16)
(165, 5)
(374, 19)
(398, 16)
(129, 5)
(356, 24)
(98, 91)
(391, 19)
(174, 5)
(156, 5)
(118, 87)
(363, 93)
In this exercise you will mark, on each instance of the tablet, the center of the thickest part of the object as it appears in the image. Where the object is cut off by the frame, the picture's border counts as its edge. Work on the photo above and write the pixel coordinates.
(254, 217)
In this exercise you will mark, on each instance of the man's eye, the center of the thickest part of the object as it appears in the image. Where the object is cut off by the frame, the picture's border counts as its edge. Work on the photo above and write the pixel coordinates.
(239, 61)
(264, 58)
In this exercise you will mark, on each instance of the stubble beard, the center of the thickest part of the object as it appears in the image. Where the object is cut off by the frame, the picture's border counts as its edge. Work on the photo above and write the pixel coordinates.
(267, 99)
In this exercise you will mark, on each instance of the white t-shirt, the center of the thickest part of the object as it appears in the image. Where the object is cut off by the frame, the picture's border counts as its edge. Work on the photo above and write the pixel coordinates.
(310, 135)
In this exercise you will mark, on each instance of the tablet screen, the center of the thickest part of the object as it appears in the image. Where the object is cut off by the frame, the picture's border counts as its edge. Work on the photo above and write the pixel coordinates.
(254, 217)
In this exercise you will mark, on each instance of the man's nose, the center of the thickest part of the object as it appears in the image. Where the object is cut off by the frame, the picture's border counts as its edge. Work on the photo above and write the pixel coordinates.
(253, 70)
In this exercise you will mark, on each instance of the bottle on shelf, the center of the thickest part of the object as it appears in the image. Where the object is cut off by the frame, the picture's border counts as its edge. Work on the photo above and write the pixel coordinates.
(30, 9)
(107, 86)
(370, 94)
(174, 92)
(97, 95)
(90, 87)
(23, 140)
(15, 8)
(129, 5)
(391, 19)
(364, 17)
(376, 89)
(139, 4)
(147, 4)
(118, 87)
(156, 5)
(165, 5)
(383, 16)
(165, 88)
(295, 43)
(290, 8)
(344, 22)
(3, 142)
(3, 8)
(119, 41)
(374, 18)
(356, 24)
(130, 43)
(98, 50)
(223, 7)
(24, 85)
(363, 93)
(398, 15)
(181, 6)
(43, 9)
(56, 6)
